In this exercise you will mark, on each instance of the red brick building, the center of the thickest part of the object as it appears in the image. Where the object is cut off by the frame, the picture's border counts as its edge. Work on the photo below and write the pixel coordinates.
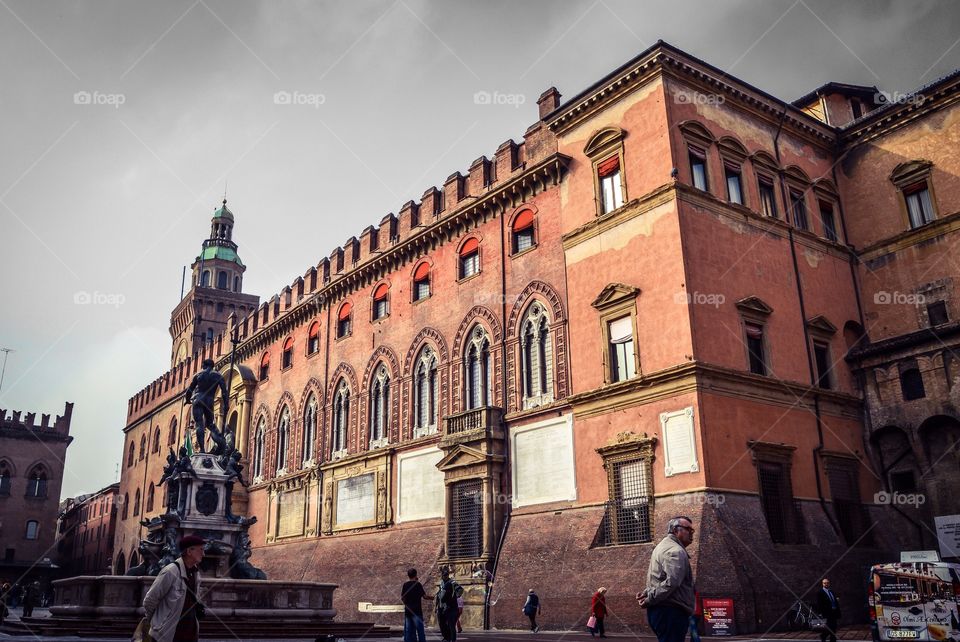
(31, 472)
(85, 533)
(655, 304)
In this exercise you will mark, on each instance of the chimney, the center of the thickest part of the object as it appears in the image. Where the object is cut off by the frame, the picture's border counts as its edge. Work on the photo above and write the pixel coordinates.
(548, 101)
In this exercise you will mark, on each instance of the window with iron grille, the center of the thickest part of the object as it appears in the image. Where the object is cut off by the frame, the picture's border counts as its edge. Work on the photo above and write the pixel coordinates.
(628, 514)
(782, 513)
(465, 525)
(851, 514)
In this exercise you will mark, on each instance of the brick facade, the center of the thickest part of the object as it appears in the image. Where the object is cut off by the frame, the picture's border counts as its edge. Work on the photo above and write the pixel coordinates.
(660, 345)
(85, 533)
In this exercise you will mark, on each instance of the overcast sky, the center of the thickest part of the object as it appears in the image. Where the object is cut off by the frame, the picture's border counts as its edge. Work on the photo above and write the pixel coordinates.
(109, 193)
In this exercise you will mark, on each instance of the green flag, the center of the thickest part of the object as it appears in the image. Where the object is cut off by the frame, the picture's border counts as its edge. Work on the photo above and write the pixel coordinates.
(189, 445)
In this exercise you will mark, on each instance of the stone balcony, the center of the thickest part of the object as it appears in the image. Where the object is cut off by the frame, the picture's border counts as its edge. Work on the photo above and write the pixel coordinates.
(472, 425)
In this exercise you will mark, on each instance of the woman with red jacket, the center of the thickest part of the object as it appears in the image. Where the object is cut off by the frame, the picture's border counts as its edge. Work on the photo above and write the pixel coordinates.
(598, 609)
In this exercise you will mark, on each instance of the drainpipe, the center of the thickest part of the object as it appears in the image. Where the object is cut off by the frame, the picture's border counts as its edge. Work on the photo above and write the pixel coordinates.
(806, 333)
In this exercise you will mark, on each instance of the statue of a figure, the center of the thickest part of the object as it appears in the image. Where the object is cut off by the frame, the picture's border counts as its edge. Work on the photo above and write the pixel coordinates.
(240, 566)
(183, 466)
(232, 466)
(170, 468)
(201, 394)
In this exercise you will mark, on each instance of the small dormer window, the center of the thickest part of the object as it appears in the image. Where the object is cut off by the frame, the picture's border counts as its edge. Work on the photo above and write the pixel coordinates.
(856, 107)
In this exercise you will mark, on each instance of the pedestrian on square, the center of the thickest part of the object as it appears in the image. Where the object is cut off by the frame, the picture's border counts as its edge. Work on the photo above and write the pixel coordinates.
(598, 611)
(669, 596)
(412, 596)
(828, 606)
(31, 596)
(4, 594)
(446, 605)
(531, 608)
(172, 608)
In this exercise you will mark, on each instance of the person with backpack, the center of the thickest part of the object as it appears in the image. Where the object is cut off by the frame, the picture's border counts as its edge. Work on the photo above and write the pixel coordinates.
(446, 605)
(531, 608)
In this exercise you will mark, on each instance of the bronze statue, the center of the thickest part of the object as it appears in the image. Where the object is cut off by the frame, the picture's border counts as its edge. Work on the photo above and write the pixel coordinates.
(201, 394)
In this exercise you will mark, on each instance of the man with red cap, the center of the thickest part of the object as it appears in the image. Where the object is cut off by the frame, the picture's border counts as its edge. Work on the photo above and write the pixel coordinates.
(172, 606)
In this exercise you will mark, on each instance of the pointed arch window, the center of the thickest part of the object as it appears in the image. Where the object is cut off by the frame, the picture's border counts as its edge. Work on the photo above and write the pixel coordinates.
(143, 446)
(258, 442)
(5, 476)
(470, 258)
(264, 366)
(477, 374)
(522, 232)
(131, 454)
(536, 363)
(421, 282)
(341, 419)
(381, 306)
(313, 338)
(283, 439)
(150, 494)
(425, 393)
(343, 321)
(286, 358)
(156, 440)
(136, 503)
(172, 435)
(309, 429)
(126, 505)
(379, 407)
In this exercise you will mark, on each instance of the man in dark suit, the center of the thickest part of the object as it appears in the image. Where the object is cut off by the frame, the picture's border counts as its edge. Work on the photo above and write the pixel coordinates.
(828, 606)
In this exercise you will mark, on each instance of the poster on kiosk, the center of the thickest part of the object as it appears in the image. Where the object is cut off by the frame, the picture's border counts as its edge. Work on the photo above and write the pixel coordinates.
(915, 601)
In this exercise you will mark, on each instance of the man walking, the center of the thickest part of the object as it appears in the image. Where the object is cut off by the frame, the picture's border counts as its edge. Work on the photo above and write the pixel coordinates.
(669, 597)
(828, 606)
(411, 594)
(171, 606)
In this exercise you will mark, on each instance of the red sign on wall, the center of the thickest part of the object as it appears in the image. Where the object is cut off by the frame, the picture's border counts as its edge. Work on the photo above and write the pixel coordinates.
(718, 616)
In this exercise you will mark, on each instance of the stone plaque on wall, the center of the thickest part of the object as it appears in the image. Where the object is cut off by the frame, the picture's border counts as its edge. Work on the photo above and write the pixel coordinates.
(543, 462)
(679, 442)
(291, 505)
(421, 492)
(355, 499)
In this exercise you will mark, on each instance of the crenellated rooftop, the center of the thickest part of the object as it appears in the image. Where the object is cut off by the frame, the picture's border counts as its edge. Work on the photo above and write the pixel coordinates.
(16, 420)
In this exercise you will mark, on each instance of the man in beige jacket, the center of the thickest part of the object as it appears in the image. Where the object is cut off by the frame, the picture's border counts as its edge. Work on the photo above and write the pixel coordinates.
(171, 605)
(669, 597)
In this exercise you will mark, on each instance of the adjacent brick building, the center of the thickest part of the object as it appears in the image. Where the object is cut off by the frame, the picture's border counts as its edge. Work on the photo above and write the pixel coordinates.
(31, 471)
(657, 303)
(85, 533)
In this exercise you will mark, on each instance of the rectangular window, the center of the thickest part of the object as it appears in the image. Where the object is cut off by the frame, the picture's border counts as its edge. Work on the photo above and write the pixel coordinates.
(469, 264)
(734, 187)
(343, 327)
(698, 168)
(758, 363)
(937, 313)
(919, 205)
(857, 109)
(799, 208)
(379, 309)
(783, 516)
(627, 517)
(768, 200)
(821, 354)
(421, 290)
(465, 530)
(828, 220)
(851, 516)
(522, 240)
(623, 364)
(611, 187)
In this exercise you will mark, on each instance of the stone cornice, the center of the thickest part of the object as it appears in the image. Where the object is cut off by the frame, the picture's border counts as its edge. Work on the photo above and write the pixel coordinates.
(503, 197)
(662, 58)
(910, 238)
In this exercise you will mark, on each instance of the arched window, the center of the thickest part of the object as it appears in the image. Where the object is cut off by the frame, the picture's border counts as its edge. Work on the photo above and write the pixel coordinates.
(911, 381)
(37, 482)
(33, 529)
(477, 365)
(313, 338)
(421, 282)
(150, 493)
(258, 440)
(143, 446)
(236, 284)
(264, 366)
(172, 435)
(205, 279)
(343, 321)
(131, 454)
(286, 359)
(536, 362)
(522, 232)
(341, 419)
(222, 280)
(283, 439)
(425, 393)
(209, 335)
(379, 407)
(309, 428)
(136, 503)
(126, 505)
(5, 475)
(469, 258)
(380, 303)
(121, 566)
(156, 439)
